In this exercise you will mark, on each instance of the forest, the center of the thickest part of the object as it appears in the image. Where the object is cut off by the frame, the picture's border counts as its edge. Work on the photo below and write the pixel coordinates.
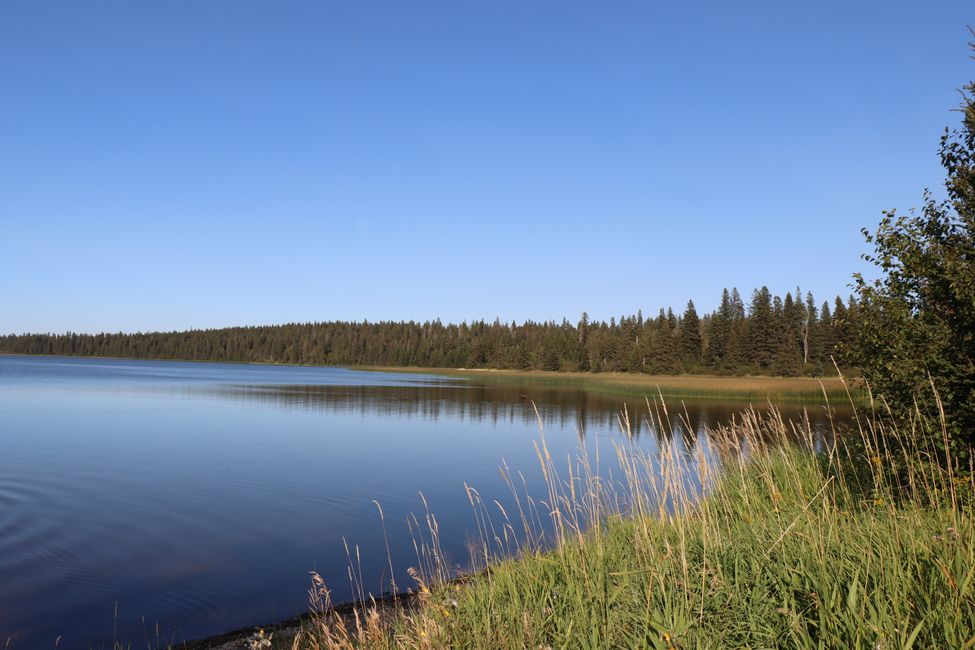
(771, 335)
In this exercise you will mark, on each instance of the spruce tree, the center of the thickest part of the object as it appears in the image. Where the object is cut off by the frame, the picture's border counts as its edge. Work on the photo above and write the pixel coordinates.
(720, 333)
(760, 333)
(788, 337)
(690, 346)
(810, 351)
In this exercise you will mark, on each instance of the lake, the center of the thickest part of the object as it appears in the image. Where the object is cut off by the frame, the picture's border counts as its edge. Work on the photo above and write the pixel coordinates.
(146, 501)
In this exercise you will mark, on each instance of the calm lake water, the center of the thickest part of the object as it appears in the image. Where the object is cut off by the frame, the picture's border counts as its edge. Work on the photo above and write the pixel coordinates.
(193, 498)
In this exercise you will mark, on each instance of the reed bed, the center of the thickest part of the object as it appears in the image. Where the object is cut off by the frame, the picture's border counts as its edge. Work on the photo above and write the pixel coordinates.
(769, 535)
(673, 387)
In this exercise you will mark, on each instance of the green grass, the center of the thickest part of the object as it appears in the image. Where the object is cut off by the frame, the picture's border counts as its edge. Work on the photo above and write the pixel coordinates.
(782, 566)
(868, 544)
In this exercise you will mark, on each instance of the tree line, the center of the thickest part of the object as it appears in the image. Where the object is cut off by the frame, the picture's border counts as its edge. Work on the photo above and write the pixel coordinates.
(772, 335)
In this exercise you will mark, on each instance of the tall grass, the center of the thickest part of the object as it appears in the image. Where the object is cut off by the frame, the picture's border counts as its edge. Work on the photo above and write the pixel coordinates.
(767, 536)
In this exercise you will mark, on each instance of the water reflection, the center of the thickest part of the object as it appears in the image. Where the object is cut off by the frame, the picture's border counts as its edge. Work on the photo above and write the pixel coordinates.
(199, 496)
(578, 410)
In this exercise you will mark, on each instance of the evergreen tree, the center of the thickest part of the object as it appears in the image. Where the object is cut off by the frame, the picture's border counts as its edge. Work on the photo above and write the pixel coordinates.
(788, 337)
(810, 343)
(719, 341)
(738, 333)
(690, 347)
(582, 346)
(760, 342)
(663, 346)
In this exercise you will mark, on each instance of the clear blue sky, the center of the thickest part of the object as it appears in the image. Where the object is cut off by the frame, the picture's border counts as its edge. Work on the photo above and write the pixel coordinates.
(198, 164)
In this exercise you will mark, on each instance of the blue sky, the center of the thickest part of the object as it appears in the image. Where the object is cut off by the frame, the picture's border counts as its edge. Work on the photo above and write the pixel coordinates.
(198, 164)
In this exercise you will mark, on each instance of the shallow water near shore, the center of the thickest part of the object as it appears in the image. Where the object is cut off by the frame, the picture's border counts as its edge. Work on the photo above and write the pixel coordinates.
(145, 501)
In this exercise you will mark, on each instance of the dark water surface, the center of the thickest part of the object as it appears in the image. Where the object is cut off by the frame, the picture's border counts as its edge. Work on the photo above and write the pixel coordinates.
(194, 498)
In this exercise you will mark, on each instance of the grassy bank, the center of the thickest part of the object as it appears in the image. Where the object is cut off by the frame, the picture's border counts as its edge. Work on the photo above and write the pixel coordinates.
(867, 544)
(753, 388)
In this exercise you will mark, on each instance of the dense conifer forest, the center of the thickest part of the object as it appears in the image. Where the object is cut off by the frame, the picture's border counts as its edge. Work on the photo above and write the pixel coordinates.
(770, 335)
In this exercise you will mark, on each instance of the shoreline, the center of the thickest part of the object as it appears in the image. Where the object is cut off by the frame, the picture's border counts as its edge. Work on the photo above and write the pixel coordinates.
(239, 638)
